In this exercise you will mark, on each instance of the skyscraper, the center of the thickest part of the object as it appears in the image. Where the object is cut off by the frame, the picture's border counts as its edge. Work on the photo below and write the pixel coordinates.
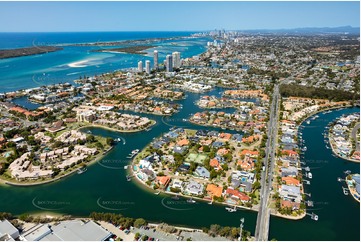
(169, 66)
(140, 66)
(147, 66)
(156, 60)
(176, 59)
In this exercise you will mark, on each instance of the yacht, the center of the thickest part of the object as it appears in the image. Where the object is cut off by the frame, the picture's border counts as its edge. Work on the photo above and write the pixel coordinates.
(309, 175)
(81, 170)
(314, 217)
(231, 210)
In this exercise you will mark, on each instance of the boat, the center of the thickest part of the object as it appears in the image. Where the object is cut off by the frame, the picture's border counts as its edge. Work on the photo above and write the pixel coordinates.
(133, 153)
(129, 178)
(148, 129)
(345, 190)
(191, 200)
(314, 216)
(347, 172)
(81, 170)
(308, 121)
(231, 210)
(89, 132)
(304, 148)
(309, 175)
(307, 168)
(157, 193)
(309, 203)
(307, 182)
(211, 202)
(125, 167)
(184, 120)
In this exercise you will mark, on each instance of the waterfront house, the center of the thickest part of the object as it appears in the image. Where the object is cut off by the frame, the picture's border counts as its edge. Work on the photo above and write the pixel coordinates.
(163, 181)
(290, 181)
(143, 163)
(214, 190)
(146, 175)
(177, 184)
(292, 193)
(289, 171)
(290, 204)
(233, 193)
(194, 188)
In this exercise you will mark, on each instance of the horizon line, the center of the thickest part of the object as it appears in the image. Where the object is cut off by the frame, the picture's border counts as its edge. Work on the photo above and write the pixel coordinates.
(255, 29)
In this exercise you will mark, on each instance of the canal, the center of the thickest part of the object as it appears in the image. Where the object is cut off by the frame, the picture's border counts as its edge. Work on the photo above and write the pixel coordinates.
(104, 188)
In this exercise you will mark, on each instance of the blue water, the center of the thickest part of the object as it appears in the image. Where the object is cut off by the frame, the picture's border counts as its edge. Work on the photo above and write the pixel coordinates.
(74, 61)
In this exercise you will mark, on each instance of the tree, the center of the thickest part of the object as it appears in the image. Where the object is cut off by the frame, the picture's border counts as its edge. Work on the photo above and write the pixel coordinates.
(139, 222)
(214, 229)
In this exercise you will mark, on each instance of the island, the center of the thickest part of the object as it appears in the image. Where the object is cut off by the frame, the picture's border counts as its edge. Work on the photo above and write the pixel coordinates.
(11, 53)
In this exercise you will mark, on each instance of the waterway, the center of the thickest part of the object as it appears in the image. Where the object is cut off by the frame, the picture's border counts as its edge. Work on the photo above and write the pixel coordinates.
(103, 188)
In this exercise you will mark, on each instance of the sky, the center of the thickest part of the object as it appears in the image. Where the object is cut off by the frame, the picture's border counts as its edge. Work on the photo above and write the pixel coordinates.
(174, 16)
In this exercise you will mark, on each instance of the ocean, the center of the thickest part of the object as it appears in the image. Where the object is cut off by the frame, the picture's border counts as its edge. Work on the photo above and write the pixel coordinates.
(73, 61)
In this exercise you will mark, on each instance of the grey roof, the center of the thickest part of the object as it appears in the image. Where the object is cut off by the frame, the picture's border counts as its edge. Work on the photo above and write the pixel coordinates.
(77, 231)
(291, 189)
(217, 144)
(7, 228)
(247, 186)
(202, 172)
(356, 178)
(180, 149)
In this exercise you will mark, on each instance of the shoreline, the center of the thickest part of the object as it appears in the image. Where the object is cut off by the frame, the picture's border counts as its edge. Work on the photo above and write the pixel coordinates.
(352, 191)
(335, 153)
(116, 130)
(90, 163)
(146, 188)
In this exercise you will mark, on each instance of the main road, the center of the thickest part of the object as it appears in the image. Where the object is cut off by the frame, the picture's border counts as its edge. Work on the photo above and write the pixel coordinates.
(262, 225)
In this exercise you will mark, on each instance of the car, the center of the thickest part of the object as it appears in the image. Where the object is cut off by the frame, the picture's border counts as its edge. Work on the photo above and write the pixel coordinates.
(150, 238)
(154, 230)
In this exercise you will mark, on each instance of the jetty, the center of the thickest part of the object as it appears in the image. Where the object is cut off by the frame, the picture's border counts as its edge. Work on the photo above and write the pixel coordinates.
(313, 216)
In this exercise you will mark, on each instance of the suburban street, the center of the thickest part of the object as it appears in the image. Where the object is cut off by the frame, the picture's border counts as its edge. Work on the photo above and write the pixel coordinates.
(262, 225)
(353, 135)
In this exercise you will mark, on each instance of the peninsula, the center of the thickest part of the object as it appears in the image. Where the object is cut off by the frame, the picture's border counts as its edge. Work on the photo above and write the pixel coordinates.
(10, 53)
(138, 49)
